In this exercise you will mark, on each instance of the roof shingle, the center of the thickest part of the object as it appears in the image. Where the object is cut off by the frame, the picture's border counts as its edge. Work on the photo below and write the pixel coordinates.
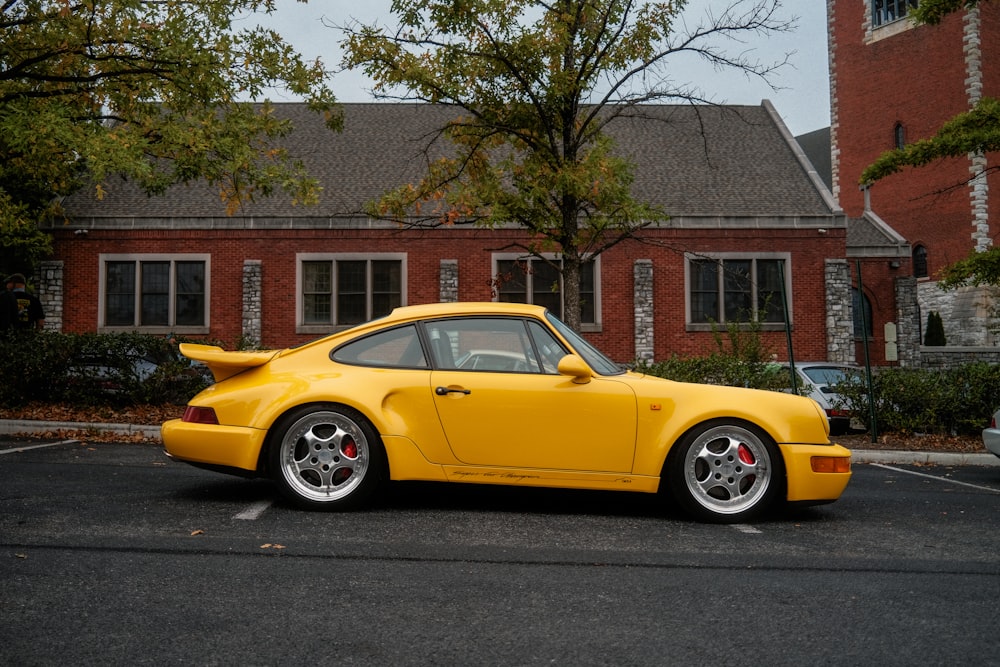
(691, 161)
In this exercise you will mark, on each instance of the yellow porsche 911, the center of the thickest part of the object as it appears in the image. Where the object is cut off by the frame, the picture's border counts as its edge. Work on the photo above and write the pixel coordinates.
(497, 393)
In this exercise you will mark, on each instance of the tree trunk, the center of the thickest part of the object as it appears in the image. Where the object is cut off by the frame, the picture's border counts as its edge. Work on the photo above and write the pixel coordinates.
(571, 270)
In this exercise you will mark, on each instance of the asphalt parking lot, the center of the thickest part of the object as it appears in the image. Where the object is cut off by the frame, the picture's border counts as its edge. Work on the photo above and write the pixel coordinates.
(112, 553)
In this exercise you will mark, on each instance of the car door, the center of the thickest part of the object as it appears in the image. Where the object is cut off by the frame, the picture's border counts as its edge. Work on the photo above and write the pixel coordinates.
(532, 418)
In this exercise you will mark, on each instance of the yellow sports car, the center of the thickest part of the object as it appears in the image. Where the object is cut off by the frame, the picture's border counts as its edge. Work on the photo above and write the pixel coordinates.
(497, 393)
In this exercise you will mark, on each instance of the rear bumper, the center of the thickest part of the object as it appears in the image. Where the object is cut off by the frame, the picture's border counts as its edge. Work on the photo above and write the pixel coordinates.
(213, 445)
(807, 485)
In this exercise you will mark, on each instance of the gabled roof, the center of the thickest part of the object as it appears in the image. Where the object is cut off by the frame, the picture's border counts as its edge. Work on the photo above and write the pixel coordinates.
(692, 161)
(871, 236)
(816, 146)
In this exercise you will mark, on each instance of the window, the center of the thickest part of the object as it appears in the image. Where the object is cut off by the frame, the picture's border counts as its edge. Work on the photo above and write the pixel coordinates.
(899, 136)
(887, 11)
(920, 261)
(396, 348)
(861, 326)
(736, 289)
(344, 290)
(154, 293)
(498, 345)
(522, 280)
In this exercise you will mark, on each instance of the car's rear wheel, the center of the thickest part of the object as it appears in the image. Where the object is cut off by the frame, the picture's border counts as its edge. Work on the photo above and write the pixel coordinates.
(327, 457)
(726, 472)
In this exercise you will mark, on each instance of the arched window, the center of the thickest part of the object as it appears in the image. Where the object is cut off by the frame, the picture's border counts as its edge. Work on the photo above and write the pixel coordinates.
(919, 262)
(899, 136)
(860, 325)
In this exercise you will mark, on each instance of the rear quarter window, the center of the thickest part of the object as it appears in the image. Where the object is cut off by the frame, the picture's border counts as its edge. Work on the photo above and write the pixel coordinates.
(395, 348)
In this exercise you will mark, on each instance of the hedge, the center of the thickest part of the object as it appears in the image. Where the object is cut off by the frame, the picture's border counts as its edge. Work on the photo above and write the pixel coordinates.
(93, 369)
(958, 401)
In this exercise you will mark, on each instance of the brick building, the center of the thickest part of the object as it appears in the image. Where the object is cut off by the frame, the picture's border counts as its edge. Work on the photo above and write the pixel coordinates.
(747, 210)
(893, 83)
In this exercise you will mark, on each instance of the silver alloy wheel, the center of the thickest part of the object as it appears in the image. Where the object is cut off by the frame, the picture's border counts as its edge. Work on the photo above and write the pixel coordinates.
(727, 470)
(324, 456)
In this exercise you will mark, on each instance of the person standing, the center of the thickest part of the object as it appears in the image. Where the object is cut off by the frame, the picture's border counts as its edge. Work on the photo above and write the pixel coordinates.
(29, 314)
(8, 307)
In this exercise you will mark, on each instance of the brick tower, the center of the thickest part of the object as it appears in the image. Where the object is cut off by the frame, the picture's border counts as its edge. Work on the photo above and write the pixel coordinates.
(892, 83)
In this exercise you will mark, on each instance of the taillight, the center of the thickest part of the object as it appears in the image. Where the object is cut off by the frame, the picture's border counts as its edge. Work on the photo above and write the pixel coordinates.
(199, 415)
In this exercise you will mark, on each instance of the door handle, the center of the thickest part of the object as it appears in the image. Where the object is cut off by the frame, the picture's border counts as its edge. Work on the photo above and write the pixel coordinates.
(444, 391)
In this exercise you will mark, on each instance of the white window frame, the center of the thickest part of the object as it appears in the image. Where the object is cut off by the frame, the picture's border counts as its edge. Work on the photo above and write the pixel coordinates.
(594, 326)
(885, 29)
(752, 256)
(333, 258)
(877, 23)
(139, 258)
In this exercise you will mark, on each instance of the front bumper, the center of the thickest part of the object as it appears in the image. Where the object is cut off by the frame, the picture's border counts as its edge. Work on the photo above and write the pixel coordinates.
(807, 485)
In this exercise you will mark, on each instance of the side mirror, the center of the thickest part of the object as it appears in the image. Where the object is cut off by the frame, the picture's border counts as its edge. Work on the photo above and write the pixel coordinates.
(576, 368)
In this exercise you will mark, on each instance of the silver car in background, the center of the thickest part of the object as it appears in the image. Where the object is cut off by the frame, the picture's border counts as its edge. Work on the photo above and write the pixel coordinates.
(817, 379)
(991, 435)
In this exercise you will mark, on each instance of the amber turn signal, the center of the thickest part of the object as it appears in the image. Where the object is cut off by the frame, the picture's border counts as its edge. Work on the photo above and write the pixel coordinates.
(831, 464)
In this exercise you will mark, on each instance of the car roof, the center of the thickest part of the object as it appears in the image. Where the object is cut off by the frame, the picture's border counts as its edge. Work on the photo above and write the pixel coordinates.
(430, 310)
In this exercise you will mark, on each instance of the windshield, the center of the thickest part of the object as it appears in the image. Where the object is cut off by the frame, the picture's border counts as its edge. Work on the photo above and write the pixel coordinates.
(827, 375)
(594, 357)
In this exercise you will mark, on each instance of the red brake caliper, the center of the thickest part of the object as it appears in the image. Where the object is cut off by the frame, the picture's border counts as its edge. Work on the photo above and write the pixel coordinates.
(746, 455)
(350, 449)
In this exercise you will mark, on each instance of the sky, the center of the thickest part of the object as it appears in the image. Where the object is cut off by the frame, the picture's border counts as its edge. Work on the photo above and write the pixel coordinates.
(802, 98)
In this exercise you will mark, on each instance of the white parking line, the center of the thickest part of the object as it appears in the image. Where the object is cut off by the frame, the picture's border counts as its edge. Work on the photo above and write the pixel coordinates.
(47, 444)
(940, 479)
(253, 512)
(744, 528)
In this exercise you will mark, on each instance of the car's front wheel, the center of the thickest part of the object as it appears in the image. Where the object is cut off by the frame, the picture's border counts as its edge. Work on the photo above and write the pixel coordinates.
(327, 457)
(726, 472)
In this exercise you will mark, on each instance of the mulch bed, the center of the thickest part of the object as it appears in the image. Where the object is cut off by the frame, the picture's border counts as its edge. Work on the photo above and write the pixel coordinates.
(959, 444)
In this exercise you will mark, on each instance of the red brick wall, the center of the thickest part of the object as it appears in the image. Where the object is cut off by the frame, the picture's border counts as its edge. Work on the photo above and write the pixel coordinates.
(917, 78)
(473, 250)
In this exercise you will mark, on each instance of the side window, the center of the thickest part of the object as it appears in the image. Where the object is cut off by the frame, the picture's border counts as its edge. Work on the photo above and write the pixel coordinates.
(498, 345)
(396, 348)
(549, 349)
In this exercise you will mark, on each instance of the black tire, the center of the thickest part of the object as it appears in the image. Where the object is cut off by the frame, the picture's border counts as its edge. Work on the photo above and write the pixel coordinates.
(327, 457)
(726, 471)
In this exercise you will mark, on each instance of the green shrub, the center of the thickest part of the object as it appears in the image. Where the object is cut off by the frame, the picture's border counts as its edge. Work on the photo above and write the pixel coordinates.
(956, 401)
(718, 368)
(94, 369)
(934, 336)
(741, 359)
